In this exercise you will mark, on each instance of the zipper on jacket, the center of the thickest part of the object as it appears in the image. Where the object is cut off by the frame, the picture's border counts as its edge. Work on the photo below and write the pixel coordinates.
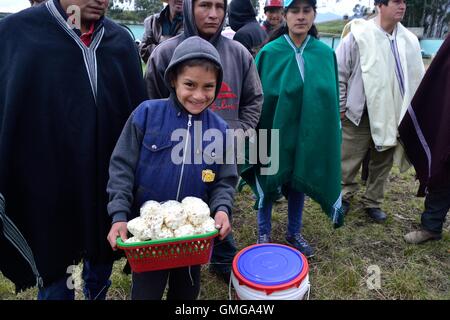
(189, 124)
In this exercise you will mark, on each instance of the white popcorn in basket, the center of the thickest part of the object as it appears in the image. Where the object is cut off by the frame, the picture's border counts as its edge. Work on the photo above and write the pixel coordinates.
(184, 231)
(154, 224)
(138, 228)
(197, 211)
(133, 240)
(207, 226)
(163, 233)
(174, 216)
(171, 219)
(150, 209)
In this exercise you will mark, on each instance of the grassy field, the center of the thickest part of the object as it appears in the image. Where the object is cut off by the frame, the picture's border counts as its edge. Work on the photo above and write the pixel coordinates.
(332, 27)
(340, 268)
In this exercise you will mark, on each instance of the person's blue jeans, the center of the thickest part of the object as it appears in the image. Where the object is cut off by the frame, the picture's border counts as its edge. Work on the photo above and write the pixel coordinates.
(437, 204)
(96, 284)
(295, 212)
(223, 254)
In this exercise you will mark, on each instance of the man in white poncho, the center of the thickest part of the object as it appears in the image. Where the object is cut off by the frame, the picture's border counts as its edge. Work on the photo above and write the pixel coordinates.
(380, 67)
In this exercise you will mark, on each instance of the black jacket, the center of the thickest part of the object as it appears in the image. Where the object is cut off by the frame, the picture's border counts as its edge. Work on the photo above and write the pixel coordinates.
(242, 18)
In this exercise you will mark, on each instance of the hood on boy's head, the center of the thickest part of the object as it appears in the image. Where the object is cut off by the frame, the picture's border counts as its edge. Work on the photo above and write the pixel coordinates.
(241, 12)
(194, 48)
(190, 28)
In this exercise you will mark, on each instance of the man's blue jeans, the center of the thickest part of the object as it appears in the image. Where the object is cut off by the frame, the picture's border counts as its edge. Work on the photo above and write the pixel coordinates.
(295, 213)
(437, 204)
(96, 284)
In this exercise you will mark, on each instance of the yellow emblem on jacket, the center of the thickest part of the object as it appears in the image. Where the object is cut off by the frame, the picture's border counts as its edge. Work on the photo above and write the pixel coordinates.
(208, 175)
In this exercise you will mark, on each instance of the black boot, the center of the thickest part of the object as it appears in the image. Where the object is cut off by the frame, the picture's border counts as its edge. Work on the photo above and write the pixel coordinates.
(376, 214)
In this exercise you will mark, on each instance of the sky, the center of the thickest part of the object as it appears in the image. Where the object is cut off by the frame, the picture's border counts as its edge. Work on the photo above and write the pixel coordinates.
(13, 5)
(340, 8)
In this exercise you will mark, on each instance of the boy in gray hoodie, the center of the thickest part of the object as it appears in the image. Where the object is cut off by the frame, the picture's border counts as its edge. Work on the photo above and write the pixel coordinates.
(240, 98)
(143, 168)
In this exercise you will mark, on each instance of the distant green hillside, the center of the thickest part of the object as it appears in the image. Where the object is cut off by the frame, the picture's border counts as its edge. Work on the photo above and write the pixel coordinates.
(332, 27)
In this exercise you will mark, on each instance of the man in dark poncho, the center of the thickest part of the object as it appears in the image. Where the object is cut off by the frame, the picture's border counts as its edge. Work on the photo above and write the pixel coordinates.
(69, 79)
(425, 133)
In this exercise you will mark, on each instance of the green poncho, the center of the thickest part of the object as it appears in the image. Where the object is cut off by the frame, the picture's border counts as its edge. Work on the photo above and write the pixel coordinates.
(301, 100)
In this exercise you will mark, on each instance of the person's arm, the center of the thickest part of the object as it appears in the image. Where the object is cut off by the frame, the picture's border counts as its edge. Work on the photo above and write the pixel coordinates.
(148, 42)
(345, 55)
(154, 75)
(120, 185)
(251, 100)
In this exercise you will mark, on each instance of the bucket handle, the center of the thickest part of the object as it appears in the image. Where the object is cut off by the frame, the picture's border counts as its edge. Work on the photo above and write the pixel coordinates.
(229, 289)
(309, 291)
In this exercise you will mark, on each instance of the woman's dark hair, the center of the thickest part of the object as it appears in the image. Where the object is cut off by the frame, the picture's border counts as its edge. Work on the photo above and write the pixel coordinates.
(283, 28)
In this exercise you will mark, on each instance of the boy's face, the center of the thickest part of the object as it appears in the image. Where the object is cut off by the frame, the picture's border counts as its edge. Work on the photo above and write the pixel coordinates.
(208, 15)
(195, 88)
(394, 11)
(300, 17)
(274, 16)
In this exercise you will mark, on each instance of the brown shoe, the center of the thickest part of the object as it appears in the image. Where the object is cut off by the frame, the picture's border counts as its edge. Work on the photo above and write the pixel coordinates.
(421, 236)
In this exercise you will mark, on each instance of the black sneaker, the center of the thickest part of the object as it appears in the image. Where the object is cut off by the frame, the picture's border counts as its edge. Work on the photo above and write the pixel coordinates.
(299, 243)
(263, 238)
(376, 214)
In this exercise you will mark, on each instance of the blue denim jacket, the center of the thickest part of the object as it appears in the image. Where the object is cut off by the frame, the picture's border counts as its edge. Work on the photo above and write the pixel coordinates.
(146, 147)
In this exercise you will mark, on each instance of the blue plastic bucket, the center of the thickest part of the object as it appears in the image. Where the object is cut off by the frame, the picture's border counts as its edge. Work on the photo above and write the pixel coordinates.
(270, 272)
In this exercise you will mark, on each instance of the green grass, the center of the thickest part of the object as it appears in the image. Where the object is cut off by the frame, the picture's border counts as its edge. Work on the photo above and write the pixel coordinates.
(340, 268)
(332, 27)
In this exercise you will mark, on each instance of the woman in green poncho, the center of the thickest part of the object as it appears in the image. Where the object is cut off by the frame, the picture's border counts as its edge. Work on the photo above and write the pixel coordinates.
(301, 101)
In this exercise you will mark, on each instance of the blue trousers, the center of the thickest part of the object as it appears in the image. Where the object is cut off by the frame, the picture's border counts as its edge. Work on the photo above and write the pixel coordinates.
(96, 284)
(437, 204)
(295, 213)
(223, 254)
(184, 284)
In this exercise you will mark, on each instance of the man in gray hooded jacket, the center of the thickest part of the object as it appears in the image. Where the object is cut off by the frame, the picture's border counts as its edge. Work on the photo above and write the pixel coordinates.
(240, 98)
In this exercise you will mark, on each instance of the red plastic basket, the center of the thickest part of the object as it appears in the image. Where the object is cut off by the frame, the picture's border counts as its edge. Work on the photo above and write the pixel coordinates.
(168, 253)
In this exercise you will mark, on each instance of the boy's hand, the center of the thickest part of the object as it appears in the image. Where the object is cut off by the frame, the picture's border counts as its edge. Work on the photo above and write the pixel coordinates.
(117, 229)
(222, 224)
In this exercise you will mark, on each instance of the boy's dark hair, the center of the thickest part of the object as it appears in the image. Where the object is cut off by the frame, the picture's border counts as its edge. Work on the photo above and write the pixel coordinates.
(283, 28)
(198, 62)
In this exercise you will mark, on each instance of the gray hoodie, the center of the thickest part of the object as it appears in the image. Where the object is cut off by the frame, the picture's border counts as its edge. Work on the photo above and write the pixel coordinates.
(240, 99)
